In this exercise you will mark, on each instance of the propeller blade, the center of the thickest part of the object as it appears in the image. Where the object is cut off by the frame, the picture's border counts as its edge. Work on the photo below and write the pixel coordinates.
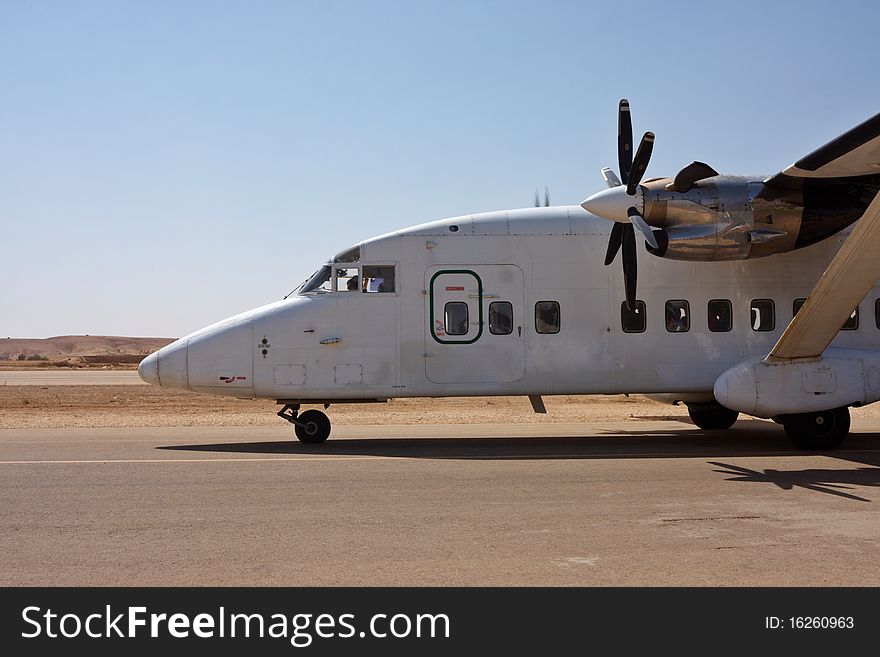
(693, 172)
(639, 222)
(610, 177)
(640, 163)
(629, 265)
(537, 200)
(624, 140)
(546, 197)
(613, 243)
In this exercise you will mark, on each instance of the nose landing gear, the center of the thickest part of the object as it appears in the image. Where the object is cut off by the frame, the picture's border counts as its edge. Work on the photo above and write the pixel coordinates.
(312, 427)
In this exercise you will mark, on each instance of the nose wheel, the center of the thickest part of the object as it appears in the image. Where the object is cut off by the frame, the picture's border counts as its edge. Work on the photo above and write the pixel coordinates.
(312, 427)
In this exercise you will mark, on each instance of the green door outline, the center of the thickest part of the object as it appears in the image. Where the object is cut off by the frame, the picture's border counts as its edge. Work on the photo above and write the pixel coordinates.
(479, 304)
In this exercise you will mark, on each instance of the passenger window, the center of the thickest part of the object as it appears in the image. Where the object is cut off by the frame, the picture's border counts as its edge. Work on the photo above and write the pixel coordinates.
(379, 278)
(633, 321)
(547, 317)
(720, 315)
(347, 280)
(455, 318)
(763, 315)
(678, 316)
(850, 324)
(500, 318)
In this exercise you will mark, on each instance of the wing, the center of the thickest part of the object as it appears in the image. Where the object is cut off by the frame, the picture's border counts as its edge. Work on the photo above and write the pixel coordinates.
(846, 281)
(854, 153)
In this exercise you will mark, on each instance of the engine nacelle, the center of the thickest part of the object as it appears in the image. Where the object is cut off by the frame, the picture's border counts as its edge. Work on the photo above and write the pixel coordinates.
(841, 377)
(737, 218)
(701, 242)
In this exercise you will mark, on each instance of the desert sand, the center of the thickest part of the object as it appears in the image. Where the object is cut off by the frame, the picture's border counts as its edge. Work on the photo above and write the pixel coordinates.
(145, 406)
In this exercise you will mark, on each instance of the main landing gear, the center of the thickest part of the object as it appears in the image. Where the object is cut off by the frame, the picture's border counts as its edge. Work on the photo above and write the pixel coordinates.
(712, 416)
(311, 427)
(814, 431)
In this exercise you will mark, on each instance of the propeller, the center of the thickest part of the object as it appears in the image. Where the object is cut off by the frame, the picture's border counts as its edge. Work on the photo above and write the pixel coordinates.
(546, 198)
(631, 169)
(690, 175)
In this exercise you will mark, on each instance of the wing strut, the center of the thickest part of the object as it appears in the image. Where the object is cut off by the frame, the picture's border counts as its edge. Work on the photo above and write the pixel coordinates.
(846, 281)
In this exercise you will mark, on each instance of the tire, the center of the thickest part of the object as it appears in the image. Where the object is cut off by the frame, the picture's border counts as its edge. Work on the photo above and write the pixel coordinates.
(712, 417)
(818, 431)
(316, 429)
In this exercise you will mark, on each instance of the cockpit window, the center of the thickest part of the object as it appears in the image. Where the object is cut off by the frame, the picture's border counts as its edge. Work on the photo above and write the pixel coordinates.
(378, 278)
(347, 279)
(354, 278)
(319, 281)
(349, 255)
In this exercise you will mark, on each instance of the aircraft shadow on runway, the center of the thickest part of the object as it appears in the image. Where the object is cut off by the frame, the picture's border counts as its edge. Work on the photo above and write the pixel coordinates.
(749, 438)
(828, 481)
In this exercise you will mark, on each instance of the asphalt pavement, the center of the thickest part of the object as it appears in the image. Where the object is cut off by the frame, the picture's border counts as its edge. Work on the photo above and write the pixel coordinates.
(69, 377)
(635, 503)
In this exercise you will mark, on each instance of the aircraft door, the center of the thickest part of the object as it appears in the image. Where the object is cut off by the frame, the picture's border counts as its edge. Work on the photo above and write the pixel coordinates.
(475, 324)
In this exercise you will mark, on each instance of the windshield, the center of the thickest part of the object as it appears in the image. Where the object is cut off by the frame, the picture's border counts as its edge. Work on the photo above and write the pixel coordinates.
(318, 282)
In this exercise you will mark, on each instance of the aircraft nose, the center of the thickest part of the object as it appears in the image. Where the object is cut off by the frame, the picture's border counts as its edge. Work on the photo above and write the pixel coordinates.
(148, 369)
(167, 367)
(173, 365)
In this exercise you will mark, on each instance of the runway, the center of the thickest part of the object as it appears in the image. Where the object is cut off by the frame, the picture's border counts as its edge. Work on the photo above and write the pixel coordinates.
(641, 503)
(69, 377)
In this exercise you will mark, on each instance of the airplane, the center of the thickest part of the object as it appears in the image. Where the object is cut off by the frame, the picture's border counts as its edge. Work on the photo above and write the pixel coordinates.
(757, 296)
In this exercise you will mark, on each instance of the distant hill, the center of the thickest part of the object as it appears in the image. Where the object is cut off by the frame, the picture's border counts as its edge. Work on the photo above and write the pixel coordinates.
(80, 348)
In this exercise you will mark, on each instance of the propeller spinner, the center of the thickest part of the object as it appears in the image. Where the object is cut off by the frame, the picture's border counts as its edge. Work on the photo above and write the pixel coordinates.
(623, 203)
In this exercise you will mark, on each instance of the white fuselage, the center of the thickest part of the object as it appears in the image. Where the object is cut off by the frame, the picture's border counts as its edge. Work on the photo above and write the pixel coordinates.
(340, 345)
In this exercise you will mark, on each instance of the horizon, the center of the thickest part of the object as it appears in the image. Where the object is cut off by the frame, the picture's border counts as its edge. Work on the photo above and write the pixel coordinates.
(92, 335)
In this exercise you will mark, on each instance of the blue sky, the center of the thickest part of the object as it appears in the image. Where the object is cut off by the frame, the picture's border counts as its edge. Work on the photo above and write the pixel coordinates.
(166, 164)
